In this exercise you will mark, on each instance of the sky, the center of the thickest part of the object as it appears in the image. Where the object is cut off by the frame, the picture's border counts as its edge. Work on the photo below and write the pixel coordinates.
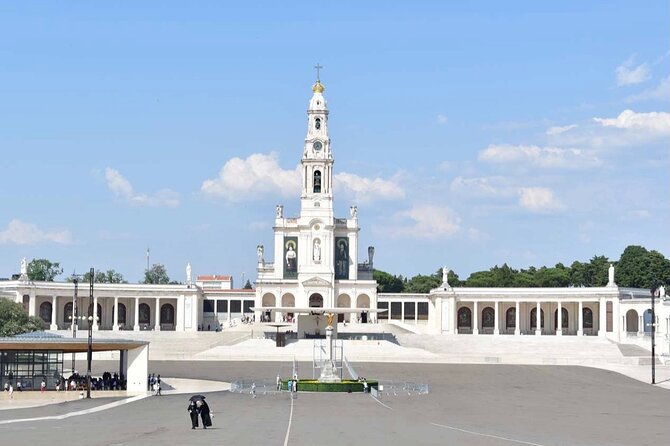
(469, 134)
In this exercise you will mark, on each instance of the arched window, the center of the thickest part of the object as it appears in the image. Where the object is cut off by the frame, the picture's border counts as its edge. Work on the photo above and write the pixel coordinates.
(631, 321)
(317, 181)
(122, 314)
(145, 314)
(317, 123)
(45, 312)
(315, 300)
(488, 317)
(464, 317)
(510, 317)
(564, 318)
(167, 314)
(533, 318)
(587, 317)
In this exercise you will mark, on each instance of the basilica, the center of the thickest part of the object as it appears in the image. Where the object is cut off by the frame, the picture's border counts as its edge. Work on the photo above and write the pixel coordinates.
(313, 268)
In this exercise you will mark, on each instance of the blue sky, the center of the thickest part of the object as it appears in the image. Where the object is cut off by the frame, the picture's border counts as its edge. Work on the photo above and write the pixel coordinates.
(468, 134)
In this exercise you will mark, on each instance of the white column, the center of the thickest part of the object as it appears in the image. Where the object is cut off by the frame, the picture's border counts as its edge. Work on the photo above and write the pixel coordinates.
(54, 322)
(32, 304)
(580, 327)
(230, 322)
(602, 323)
(475, 319)
(402, 312)
(157, 326)
(96, 326)
(538, 320)
(136, 327)
(416, 312)
(640, 324)
(559, 319)
(115, 324)
(496, 328)
(517, 329)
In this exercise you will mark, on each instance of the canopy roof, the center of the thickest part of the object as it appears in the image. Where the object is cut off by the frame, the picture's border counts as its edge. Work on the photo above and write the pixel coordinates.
(318, 310)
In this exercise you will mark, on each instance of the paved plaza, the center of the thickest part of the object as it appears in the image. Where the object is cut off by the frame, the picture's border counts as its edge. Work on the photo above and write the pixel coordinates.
(467, 404)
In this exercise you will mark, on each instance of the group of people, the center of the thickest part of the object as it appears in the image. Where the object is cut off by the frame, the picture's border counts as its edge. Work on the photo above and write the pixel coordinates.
(198, 407)
(108, 381)
(154, 384)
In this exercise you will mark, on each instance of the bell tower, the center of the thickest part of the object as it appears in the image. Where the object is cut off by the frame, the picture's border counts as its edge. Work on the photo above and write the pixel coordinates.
(316, 199)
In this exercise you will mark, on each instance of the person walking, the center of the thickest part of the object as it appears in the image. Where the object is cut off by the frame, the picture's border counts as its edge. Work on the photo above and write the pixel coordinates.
(203, 407)
(43, 386)
(253, 390)
(11, 391)
(193, 413)
(278, 383)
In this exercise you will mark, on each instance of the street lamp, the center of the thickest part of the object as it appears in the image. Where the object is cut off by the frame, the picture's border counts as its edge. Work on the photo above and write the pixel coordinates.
(655, 291)
(89, 356)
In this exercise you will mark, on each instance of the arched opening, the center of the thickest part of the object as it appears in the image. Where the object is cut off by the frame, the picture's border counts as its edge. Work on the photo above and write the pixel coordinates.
(533, 318)
(122, 314)
(317, 181)
(363, 301)
(564, 318)
(343, 301)
(316, 301)
(488, 317)
(99, 314)
(267, 301)
(464, 319)
(45, 312)
(317, 123)
(587, 317)
(67, 313)
(631, 321)
(647, 319)
(288, 300)
(144, 314)
(167, 314)
(510, 318)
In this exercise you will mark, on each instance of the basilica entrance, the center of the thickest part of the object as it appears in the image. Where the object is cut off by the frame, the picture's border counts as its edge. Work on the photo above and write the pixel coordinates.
(316, 301)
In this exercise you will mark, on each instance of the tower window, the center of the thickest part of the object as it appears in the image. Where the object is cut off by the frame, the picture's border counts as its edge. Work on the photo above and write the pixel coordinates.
(317, 181)
(317, 123)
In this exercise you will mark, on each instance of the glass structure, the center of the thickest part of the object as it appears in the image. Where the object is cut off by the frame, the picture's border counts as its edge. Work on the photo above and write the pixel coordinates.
(30, 367)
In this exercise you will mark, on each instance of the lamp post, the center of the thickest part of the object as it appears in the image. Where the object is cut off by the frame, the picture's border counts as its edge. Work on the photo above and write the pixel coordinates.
(654, 292)
(74, 316)
(89, 356)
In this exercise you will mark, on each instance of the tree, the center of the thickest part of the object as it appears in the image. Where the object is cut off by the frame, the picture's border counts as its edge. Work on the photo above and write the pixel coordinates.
(14, 320)
(387, 283)
(156, 274)
(43, 270)
(423, 284)
(638, 268)
(247, 286)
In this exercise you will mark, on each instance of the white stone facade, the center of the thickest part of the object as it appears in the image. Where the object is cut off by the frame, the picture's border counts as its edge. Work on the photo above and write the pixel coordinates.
(315, 254)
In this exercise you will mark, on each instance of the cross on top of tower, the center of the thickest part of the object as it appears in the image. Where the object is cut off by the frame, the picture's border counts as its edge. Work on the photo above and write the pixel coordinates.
(318, 68)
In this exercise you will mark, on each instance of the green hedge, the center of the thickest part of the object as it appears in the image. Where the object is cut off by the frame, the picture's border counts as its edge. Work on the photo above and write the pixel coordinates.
(313, 385)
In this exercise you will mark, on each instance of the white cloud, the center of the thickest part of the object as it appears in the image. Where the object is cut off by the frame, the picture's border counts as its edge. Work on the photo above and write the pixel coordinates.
(629, 74)
(552, 131)
(545, 157)
(427, 221)
(442, 119)
(258, 174)
(661, 92)
(538, 199)
(483, 186)
(122, 189)
(368, 189)
(653, 122)
(20, 233)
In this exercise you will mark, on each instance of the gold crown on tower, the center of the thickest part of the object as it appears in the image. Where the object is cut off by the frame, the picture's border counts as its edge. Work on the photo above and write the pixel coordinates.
(318, 87)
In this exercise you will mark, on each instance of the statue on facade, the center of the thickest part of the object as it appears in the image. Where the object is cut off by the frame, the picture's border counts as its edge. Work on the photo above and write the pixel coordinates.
(317, 251)
(445, 277)
(260, 253)
(279, 211)
(24, 269)
(353, 211)
(610, 276)
(189, 274)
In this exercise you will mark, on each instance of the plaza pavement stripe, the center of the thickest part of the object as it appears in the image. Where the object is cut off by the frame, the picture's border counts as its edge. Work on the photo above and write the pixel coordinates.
(80, 412)
(290, 418)
(486, 435)
(388, 407)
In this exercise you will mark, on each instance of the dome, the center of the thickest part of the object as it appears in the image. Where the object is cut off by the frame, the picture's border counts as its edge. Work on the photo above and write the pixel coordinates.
(318, 87)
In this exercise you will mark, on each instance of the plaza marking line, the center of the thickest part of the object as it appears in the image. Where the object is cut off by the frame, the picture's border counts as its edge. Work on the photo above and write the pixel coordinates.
(80, 412)
(487, 435)
(290, 418)
(388, 407)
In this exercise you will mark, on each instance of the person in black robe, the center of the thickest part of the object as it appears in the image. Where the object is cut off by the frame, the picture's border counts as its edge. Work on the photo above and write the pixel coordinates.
(204, 413)
(193, 413)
